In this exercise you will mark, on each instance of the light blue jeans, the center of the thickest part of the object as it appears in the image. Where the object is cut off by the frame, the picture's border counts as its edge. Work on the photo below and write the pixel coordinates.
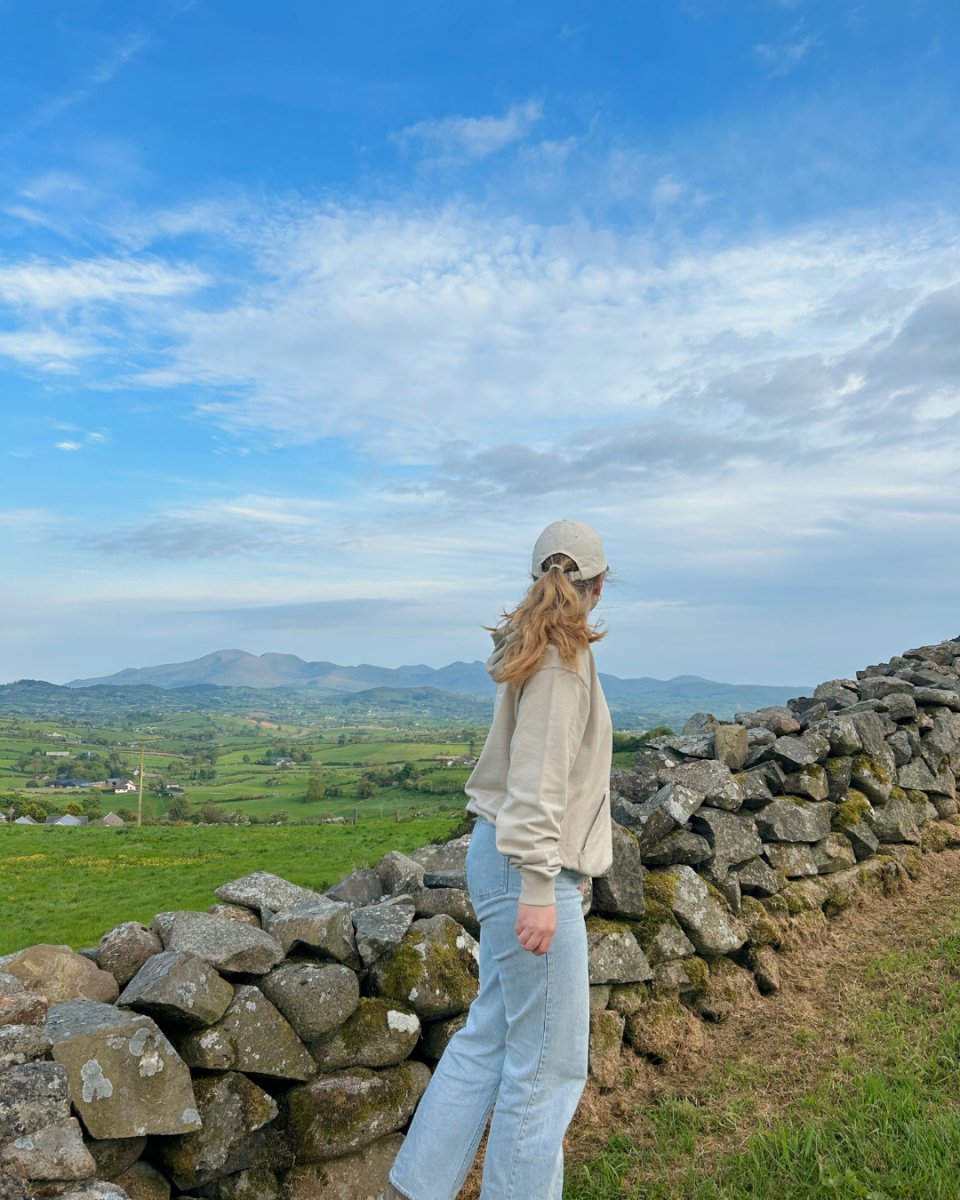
(522, 1053)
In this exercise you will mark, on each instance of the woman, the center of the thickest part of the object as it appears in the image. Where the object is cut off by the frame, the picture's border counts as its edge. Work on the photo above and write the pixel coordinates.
(540, 792)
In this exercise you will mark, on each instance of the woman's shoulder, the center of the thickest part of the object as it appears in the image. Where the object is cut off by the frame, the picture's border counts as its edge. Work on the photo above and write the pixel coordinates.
(582, 666)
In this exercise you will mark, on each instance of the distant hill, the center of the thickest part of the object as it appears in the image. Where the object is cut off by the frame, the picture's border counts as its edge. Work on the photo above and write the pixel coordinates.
(236, 668)
(644, 701)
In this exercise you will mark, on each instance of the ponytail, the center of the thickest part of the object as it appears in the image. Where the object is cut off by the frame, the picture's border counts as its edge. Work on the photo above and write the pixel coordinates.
(553, 613)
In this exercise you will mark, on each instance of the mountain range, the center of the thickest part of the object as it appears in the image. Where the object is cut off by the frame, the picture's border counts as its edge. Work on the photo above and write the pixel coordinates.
(643, 697)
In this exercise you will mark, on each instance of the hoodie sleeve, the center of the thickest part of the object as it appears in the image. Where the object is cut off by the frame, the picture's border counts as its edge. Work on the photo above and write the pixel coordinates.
(552, 713)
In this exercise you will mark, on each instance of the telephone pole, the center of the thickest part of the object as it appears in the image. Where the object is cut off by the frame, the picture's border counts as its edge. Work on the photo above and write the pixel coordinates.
(140, 791)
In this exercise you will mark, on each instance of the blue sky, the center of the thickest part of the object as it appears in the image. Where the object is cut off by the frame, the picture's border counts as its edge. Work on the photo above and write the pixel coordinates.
(312, 315)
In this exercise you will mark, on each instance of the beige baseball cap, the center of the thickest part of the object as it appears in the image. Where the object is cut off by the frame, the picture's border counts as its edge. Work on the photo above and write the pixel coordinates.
(576, 540)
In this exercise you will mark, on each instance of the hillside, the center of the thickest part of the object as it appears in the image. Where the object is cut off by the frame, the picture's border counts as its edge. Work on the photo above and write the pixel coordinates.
(231, 678)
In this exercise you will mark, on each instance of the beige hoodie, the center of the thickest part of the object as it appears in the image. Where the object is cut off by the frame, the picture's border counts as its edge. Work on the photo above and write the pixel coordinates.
(543, 777)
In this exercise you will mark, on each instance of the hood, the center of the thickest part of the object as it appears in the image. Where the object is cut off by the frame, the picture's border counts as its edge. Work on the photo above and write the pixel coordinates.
(500, 643)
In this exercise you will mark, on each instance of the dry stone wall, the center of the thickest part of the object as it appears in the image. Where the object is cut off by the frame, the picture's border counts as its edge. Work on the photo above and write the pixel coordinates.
(277, 1045)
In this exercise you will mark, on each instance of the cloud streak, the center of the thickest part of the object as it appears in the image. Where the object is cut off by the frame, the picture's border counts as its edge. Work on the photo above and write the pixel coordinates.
(451, 141)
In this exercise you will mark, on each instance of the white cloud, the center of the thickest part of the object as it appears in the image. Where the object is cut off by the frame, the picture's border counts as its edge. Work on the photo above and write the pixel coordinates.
(784, 57)
(69, 446)
(467, 139)
(43, 286)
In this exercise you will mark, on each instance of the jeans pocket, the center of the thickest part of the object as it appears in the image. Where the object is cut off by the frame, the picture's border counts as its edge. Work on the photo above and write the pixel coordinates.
(492, 879)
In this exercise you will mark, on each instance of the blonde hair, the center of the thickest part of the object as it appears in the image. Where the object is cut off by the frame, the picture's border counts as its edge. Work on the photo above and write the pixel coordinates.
(553, 613)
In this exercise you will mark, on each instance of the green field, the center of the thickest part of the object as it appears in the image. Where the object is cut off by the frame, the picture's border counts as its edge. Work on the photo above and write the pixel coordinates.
(72, 885)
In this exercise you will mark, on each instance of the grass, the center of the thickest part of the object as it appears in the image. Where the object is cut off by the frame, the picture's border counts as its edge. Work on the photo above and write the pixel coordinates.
(864, 1106)
(72, 885)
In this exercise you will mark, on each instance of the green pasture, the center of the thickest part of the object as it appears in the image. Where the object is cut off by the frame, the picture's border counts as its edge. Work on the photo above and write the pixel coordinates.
(71, 885)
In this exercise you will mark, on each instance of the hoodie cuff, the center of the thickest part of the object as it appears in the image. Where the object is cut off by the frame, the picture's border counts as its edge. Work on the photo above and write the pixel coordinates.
(536, 889)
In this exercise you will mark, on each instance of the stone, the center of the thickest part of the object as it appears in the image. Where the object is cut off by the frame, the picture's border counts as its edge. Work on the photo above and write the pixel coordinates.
(252, 1036)
(323, 925)
(125, 949)
(599, 995)
(803, 895)
(900, 707)
(32, 1097)
(681, 977)
(896, 821)
(758, 878)
(621, 889)
(179, 990)
(946, 807)
(709, 778)
(759, 741)
(732, 837)
(731, 745)
(613, 955)
(143, 1182)
(839, 774)
(454, 902)
(729, 987)
(933, 696)
(726, 883)
(779, 720)
(792, 819)
(876, 687)
(126, 1079)
(705, 917)
(755, 788)
(235, 912)
(443, 858)
(314, 997)
(672, 805)
(854, 819)
(606, 1037)
(433, 970)
(398, 873)
(336, 1114)
(764, 962)
(231, 1108)
(841, 732)
(872, 777)
(257, 1183)
(834, 853)
(837, 693)
(795, 752)
(12, 1186)
(359, 888)
(681, 846)
(358, 1176)
(94, 1189)
(792, 859)
(22, 1044)
(700, 722)
(437, 1035)
(379, 1033)
(113, 1156)
(55, 1152)
(811, 782)
(662, 1030)
(660, 935)
(941, 742)
(916, 775)
(380, 927)
(60, 975)
(23, 1008)
(814, 716)
(227, 945)
(845, 886)
(695, 745)
(265, 892)
(872, 729)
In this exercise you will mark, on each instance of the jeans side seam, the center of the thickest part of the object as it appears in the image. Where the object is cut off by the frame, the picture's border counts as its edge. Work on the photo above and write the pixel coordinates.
(536, 1079)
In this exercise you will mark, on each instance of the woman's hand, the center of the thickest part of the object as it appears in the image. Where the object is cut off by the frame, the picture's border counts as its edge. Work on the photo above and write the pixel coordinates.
(535, 927)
